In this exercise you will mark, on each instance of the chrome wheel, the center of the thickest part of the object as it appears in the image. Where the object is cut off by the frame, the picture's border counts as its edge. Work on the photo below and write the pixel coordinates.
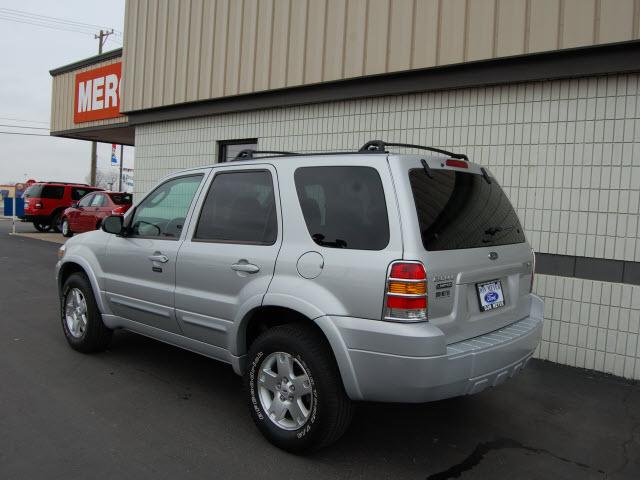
(285, 390)
(75, 312)
(65, 227)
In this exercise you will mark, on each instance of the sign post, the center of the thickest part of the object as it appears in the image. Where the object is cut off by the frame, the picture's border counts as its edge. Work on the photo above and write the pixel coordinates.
(13, 216)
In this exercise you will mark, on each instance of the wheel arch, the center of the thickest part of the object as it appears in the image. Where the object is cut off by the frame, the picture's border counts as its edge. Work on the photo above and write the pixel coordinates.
(78, 266)
(264, 317)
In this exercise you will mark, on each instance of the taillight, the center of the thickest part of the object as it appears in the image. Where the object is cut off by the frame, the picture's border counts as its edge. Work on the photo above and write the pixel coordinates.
(119, 211)
(406, 293)
(533, 269)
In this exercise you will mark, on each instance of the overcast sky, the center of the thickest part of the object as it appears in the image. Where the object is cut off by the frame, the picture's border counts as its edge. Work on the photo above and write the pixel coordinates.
(28, 53)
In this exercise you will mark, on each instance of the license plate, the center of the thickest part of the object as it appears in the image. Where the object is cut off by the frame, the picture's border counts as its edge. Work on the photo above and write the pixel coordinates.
(490, 295)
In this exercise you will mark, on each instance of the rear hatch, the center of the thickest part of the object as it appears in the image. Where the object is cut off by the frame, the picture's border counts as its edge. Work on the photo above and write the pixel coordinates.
(459, 222)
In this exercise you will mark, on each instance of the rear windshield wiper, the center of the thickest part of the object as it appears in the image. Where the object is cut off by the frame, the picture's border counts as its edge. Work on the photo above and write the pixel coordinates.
(491, 231)
(426, 168)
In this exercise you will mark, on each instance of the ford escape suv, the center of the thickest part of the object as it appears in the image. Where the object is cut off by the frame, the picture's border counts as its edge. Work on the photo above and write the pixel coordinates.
(322, 279)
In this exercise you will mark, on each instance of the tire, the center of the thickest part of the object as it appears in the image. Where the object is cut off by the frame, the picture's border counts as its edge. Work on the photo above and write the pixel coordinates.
(328, 408)
(94, 336)
(56, 222)
(42, 227)
(66, 229)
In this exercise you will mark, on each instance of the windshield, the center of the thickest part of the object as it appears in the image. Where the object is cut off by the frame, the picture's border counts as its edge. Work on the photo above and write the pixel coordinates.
(462, 210)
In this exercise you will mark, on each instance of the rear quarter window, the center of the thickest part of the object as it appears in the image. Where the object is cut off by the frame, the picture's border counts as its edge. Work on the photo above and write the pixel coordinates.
(121, 198)
(343, 207)
(53, 191)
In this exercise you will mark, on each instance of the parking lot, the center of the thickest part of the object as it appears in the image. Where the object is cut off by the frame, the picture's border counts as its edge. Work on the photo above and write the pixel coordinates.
(148, 410)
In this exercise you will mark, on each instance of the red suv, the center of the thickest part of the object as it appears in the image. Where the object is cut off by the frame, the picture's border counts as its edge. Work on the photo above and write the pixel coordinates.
(88, 213)
(44, 203)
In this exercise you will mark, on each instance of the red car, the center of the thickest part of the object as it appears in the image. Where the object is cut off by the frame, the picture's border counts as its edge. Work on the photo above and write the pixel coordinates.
(44, 202)
(88, 213)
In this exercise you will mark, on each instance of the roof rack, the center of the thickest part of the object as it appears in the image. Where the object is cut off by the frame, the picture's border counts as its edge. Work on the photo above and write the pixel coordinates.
(379, 146)
(248, 154)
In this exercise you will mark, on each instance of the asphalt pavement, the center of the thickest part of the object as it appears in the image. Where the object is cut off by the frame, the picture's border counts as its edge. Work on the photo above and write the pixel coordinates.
(146, 410)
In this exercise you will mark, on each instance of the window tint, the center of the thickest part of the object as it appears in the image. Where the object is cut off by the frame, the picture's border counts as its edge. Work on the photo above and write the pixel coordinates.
(461, 210)
(121, 198)
(53, 191)
(344, 207)
(239, 208)
(98, 200)
(164, 211)
(78, 192)
(86, 201)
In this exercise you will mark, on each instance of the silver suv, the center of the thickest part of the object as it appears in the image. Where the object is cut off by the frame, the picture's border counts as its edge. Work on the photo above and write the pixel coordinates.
(322, 279)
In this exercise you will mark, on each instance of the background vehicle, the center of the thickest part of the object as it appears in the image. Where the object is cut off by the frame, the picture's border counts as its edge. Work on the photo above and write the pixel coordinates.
(321, 279)
(45, 202)
(88, 213)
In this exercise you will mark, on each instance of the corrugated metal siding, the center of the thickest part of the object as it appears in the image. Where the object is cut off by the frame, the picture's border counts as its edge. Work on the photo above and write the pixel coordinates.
(179, 51)
(62, 101)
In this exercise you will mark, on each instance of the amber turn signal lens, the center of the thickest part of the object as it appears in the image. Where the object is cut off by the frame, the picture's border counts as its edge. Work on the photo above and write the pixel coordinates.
(417, 288)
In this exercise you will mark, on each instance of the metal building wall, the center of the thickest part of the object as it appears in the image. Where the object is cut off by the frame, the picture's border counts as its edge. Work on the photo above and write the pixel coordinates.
(186, 50)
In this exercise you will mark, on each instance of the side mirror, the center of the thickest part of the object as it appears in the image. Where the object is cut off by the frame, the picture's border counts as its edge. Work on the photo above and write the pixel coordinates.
(112, 224)
(74, 205)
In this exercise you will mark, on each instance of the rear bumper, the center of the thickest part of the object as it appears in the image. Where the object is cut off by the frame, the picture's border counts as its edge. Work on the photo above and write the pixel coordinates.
(396, 372)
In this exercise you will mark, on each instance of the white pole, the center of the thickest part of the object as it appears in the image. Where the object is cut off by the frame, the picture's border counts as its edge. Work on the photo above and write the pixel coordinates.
(13, 217)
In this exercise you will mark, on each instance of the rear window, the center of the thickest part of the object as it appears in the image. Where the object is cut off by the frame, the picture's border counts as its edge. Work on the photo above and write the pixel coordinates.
(45, 191)
(343, 207)
(461, 210)
(121, 198)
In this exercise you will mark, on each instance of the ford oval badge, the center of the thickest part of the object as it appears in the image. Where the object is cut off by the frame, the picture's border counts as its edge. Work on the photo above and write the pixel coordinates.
(493, 255)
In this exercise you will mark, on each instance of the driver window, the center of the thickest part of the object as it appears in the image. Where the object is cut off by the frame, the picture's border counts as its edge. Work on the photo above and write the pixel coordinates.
(163, 213)
(85, 201)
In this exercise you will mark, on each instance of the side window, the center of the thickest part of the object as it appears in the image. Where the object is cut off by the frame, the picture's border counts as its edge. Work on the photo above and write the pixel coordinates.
(239, 208)
(78, 193)
(343, 207)
(53, 191)
(98, 200)
(163, 213)
(86, 201)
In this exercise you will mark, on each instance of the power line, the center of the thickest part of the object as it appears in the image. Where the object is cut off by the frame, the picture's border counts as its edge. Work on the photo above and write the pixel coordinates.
(27, 134)
(53, 27)
(23, 126)
(23, 120)
(50, 19)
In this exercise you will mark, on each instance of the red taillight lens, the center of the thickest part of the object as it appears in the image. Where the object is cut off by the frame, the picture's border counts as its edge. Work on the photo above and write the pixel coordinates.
(457, 163)
(406, 293)
(119, 211)
(408, 271)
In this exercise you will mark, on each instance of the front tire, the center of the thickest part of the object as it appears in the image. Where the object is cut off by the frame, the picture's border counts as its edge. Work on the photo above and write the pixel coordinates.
(81, 320)
(294, 389)
(42, 227)
(66, 229)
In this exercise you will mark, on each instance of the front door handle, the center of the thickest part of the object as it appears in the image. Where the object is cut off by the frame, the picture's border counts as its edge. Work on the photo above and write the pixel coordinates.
(245, 267)
(158, 257)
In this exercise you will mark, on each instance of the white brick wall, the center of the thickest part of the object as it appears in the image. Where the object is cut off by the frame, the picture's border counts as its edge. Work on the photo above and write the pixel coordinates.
(567, 153)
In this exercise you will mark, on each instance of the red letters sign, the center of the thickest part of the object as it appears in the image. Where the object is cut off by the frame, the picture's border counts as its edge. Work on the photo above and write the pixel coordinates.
(97, 94)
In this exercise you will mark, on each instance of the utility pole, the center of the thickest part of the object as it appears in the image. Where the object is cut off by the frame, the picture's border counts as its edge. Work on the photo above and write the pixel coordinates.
(102, 38)
(121, 162)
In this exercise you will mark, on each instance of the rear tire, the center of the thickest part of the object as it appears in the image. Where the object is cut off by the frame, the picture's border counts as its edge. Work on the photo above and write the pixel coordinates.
(318, 410)
(66, 229)
(56, 222)
(81, 320)
(42, 227)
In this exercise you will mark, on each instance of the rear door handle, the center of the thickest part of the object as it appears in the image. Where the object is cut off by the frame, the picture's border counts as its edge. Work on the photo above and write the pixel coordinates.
(158, 257)
(245, 267)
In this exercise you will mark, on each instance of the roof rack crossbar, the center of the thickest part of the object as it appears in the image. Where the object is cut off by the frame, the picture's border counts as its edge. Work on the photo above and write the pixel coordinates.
(248, 154)
(379, 146)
